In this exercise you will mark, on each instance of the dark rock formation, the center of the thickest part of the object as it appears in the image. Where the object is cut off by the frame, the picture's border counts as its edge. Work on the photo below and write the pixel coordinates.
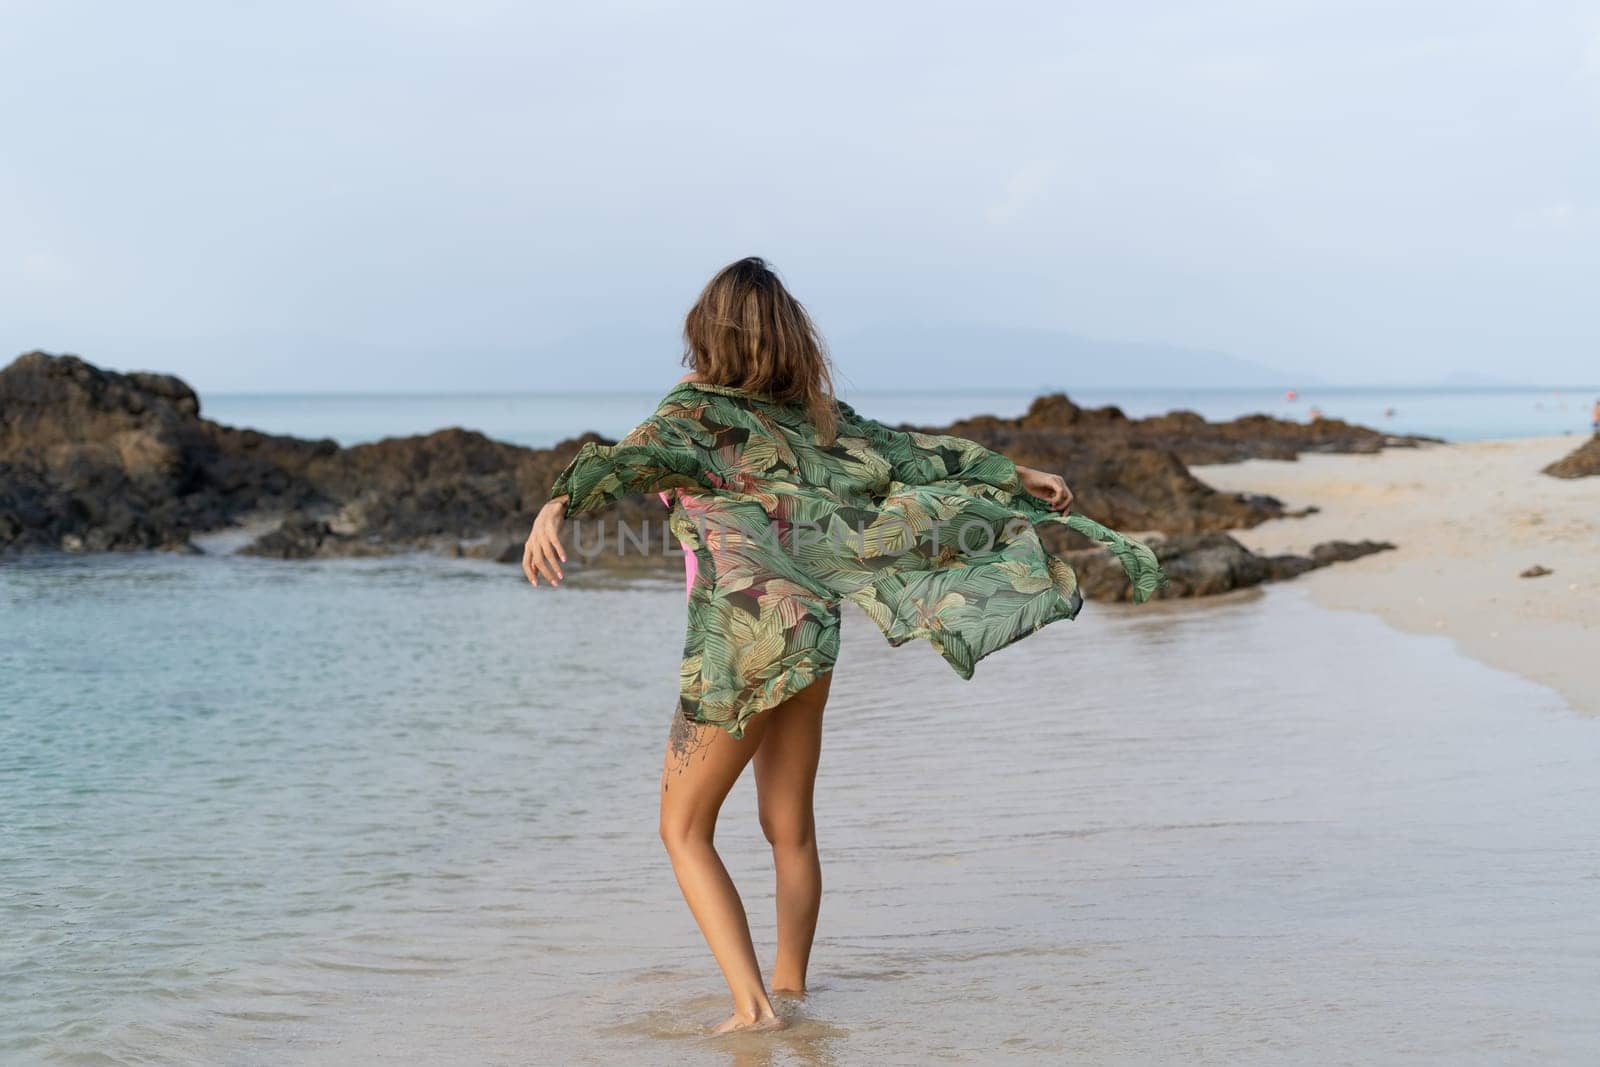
(1206, 564)
(1184, 433)
(95, 461)
(298, 537)
(1583, 462)
(1343, 551)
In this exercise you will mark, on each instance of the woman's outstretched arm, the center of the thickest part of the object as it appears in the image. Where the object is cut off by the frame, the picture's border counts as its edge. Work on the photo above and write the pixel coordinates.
(655, 455)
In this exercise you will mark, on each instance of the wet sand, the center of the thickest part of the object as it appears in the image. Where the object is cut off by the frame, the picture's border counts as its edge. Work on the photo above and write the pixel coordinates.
(1467, 519)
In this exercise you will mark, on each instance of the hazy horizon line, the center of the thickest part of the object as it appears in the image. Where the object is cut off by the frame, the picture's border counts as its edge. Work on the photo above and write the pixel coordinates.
(1455, 387)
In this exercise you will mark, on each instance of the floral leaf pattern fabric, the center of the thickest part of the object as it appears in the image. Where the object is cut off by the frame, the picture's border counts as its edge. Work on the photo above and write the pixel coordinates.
(932, 536)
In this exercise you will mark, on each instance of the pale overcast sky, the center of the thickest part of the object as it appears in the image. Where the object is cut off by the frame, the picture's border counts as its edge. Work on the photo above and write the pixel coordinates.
(466, 194)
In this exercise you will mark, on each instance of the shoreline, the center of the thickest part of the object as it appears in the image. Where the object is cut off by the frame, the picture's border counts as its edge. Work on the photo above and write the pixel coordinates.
(1466, 519)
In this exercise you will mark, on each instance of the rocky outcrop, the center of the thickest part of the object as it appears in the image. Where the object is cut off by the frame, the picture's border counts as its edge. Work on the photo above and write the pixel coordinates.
(1184, 433)
(1133, 473)
(1583, 462)
(454, 491)
(97, 461)
(1206, 564)
(297, 537)
(93, 460)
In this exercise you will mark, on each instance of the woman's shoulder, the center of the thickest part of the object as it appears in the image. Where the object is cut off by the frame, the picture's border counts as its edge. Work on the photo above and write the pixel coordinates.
(693, 400)
(852, 420)
(683, 387)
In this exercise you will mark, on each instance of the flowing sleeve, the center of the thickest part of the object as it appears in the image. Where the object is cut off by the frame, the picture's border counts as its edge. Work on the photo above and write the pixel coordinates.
(925, 458)
(657, 454)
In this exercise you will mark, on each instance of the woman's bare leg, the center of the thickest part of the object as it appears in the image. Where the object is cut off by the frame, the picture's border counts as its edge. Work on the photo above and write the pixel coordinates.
(702, 764)
(786, 772)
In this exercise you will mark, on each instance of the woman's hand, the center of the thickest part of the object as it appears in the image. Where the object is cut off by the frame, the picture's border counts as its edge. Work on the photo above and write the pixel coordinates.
(1051, 488)
(543, 553)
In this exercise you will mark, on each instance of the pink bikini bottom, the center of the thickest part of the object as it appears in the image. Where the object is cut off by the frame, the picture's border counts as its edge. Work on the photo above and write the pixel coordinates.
(690, 564)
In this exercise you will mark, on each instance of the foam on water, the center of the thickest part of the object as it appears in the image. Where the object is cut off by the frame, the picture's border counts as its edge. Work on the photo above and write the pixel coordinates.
(405, 809)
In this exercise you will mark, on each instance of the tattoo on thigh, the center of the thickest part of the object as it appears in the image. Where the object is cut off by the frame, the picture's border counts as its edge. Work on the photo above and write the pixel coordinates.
(686, 739)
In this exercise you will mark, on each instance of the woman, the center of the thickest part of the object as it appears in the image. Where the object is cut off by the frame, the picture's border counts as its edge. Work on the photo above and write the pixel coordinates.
(788, 502)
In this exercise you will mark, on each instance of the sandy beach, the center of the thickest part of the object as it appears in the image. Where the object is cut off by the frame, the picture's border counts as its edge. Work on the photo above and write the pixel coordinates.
(1467, 520)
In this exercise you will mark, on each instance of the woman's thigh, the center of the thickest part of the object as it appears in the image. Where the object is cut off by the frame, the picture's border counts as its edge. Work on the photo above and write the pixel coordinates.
(786, 762)
(702, 763)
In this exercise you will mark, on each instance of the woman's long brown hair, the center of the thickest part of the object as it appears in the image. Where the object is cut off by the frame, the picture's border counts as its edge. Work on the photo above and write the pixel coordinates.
(748, 332)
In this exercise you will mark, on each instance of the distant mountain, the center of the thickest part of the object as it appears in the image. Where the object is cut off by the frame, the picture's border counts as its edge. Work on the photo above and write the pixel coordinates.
(934, 357)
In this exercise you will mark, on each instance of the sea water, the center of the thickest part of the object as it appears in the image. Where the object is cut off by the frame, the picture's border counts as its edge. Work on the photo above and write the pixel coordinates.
(404, 810)
(541, 419)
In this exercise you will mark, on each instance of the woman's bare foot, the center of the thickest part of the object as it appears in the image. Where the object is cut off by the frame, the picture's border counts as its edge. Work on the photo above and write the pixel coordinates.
(736, 1022)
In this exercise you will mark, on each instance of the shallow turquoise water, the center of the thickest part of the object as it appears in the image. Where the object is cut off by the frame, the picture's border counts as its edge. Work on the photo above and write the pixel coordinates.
(363, 811)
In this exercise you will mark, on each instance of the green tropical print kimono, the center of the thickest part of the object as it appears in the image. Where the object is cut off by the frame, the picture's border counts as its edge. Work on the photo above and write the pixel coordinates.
(932, 536)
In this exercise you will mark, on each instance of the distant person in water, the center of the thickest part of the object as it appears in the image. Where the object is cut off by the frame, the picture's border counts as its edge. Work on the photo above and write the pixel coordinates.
(789, 502)
(1594, 418)
(1315, 413)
